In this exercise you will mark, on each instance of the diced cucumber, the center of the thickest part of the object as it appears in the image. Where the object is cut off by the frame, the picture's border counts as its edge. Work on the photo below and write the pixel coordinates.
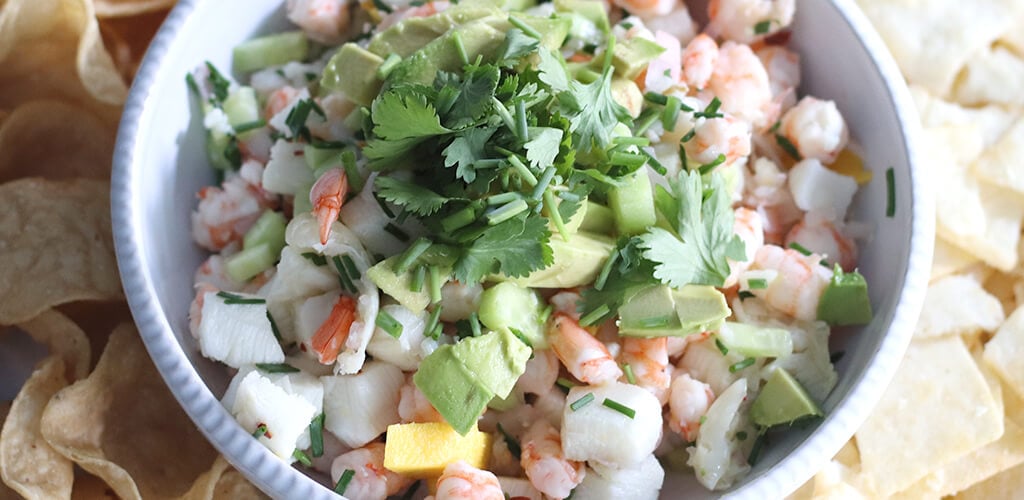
(782, 401)
(268, 230)
(241, 106)
(319, 157)
(301, 203)
(246, 264)
(633, 204)
(218, 146)
(508, 306)
(598, 219)
(271, 50)
(755, 341)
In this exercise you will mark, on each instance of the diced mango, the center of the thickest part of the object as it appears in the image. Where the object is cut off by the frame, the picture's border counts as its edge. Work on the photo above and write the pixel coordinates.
(850, 165)
(424, 450)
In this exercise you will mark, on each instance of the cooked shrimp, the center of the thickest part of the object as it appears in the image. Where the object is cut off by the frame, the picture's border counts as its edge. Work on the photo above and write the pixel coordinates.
(224, 214)
(425, 10)
(413, 405)
(816, 129)
(687, 403)
(584, 356)
(741, 20)
(371, 479)
(545, 463)
(648, 359)
(647, 9)
(461, 481)
(278, 100)
(748, 225)
(800, 282)
(567, 302)
(740, 82)
(322, 20)
(822, 237)
(327, 195)
(699, 61)
(767, 193)
(459, 300)
(677, 23)
(195, 309)
(332, 334)
(712, 137)
(783, 67)
(503, 462)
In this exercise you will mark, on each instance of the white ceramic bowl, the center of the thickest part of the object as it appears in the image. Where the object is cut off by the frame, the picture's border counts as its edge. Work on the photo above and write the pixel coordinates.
(160, 164)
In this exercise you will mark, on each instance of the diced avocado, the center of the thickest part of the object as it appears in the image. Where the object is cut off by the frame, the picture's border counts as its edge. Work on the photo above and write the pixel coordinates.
(518, 5)
(496, 359)
(269, 230)
(631, 56)
(553, 30)
(589, 9)
(410, 35)
(755, 341)
(700, 308)
(633, 204)
(452, 389)
(251, 261)
(598, 219)
(398, 285)
(505, 404)
(271, 50)
(650, 313)
(845, 301)
(576, 262)
(573, 224)
(508, 306)
(241, 106)
(423, 450)
(353, 70)
(782, 401)
(478, 39)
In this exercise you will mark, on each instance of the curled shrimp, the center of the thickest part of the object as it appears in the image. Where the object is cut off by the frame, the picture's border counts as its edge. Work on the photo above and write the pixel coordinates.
(783, 67)
(768, 194)
(327, 195)
(278, 100)
(816, 129)
(567, 302)
(725, 135)
(799, 283)
(545, 464)
(677, 23)
(648, 359)
(371, 479)
(322, 20)
(583, 355)
(821, 236)
(329, 339)
(413, 405)
(688, 402)
(740, 82)
(225, 213)
(699, 61)
(749, 226)
(461, 481)
(647, 9)
(743, 20)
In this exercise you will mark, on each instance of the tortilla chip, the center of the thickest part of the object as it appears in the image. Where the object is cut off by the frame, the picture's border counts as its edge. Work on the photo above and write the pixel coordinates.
(57, 246)
(932, 41)
(90, 487)
(27, 464)
(55, 140)
(998, 486)
(1003, 286)
(64, 338)
(958, 305)
(993, 75)
(992, 121)
(902, 440)
(1013, 405)
(234, 485)
(949, 259)
(129, 8)
(1001, 163)
(123, 425)
(1004, 353)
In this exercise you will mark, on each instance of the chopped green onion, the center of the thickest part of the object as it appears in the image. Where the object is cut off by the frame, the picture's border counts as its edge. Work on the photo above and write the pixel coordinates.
(596, 315)
(671, 113)
(523, 172)
(619, 407)
(757, 283)
(230, 298)
(355, 179)
(646, 119)
(711, 111)
(546, 313)
(527, 29)
(433, 320)
(689, 135)
(242, 128)
(755, 451)
(474, 324)
(396, 232)
(628, 370)
(315, 258)
(273, 326)
(389, 324)
(581, 402)
(506, 212)
(606, 269)
(434, 274)
(503, 198)
(416, 283)
(383, 206)
(762, 27)
(276, 368)
(744, 295)
(459, 219)
(342, 485)
(521, 126)
(381, 6)
(654, 163)
(502, 111)
(519, 335)
(513, 445)
(542, 185)
(350, 266)
(631, 141)
(703, 419)
(631, 161)
(721, 346)
(389, 64)
(261, 430)
(799, 248)
(410, 254)
(655, 98)
(708, 167)
(741, 436)
(554, 215)
(460, 48)
(316, 436)
(741, 365)
(890, 185)
(565, 383)
(788, 147)
(343, 277)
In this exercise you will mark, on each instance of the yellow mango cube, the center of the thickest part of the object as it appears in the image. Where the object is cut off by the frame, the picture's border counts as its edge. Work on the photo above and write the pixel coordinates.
(424, 450)
(850, 165)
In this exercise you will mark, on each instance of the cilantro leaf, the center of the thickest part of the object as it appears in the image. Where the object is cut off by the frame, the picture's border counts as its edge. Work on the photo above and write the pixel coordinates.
(592, 112)
(514, 248)
(405, 114)
(218, 84)
(382, 152)
(474, 95)
(629, 274)
(543, 148)
(467, 149)
(412, 197)
(516, 46)
(705, 230)
(553, 71)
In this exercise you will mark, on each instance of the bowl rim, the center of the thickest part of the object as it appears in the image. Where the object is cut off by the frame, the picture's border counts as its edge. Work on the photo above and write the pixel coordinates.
(278, 479)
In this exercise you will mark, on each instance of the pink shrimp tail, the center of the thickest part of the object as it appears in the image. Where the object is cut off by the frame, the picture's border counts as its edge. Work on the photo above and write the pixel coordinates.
(327, 196)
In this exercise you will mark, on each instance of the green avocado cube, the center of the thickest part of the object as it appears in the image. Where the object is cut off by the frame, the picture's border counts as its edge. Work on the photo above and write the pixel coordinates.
(845, 301)
(650, 313)
(353, 70)
(496, 360)
(782, 401)
(452, 389)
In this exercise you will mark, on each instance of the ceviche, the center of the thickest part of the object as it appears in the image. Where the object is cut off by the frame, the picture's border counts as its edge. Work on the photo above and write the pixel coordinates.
(501, 248)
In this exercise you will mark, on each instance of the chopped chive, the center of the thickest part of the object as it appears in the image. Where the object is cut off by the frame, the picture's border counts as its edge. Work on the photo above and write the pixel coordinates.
(416, 283)
(606, 269)
(276, 368)
(721, 346)
(646, 119)
(384, 206)
(744, 295)
(459, 219)
(555, 215)
(689, 135)
(890, 186)
(316, 436)
(381, 6)
(474, 324)
(546, 313)
(671, 113)
(521, 125)
(410, 254)
(762, 27)
(542, 185)
(523, 172)
(433, 320)
(350, 266)
(655, 98)
(581, 402)
(631, 161)
(411, 492)
(519, 335)
(799, 248)
(315, 258)
(506, 212)
(527, 29)
(565, 383)
(708, 167)
(389, 64)
(757, 283)
(596, 315)
(389, 324)
(628, 370)
(355, 179)
(755, 451)
(502, 111)
(230, 298)
(273, 326)
(741, 365)
(396, 232)
(247, 126)
(683, 159)
(741, 436)
(836, 356)
(342, 485)
(631, 141)
(435, 281)
(654, 163)
(190, 81)
(619, 407)
(513, 445)
(460, 48)
(343, 277)
(711, 111)
(261, 430)
(503, 198)
(788, 147)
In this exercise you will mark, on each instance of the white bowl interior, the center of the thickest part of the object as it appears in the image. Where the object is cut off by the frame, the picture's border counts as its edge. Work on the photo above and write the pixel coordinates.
(160, 164)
